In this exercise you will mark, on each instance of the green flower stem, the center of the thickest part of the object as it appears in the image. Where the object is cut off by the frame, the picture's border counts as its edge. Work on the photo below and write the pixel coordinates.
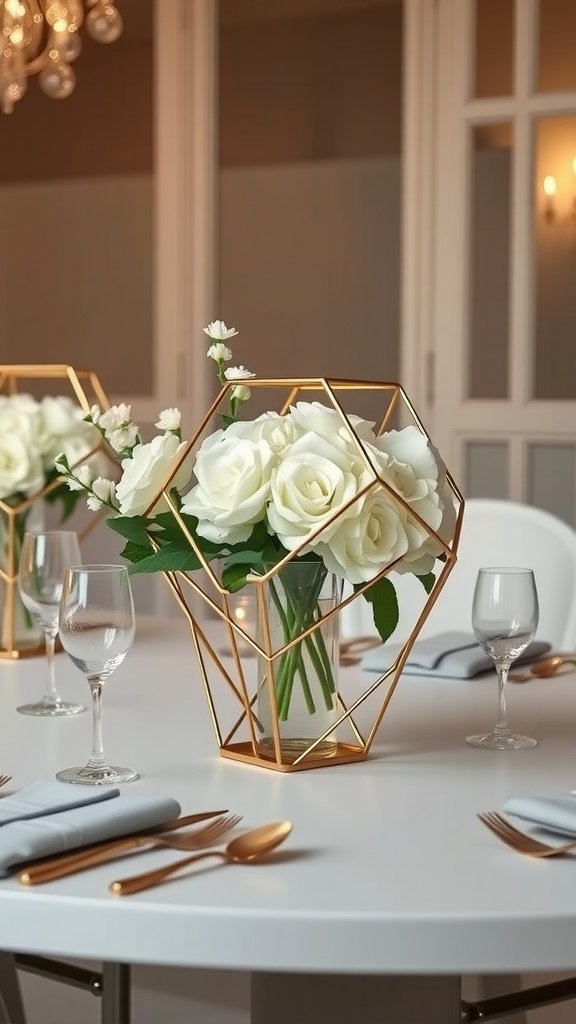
(295, 617)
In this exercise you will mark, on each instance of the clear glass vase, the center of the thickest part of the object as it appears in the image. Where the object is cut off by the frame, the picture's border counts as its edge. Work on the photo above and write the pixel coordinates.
(19, 632)
(304, 679)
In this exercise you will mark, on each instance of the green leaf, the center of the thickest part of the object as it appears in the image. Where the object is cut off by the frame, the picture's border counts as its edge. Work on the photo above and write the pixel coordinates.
(427, 581)
(382, 596)
(135, 552)
(227, 420)
(166, 560)
(250, 558)
(132, 528)
(234, 577)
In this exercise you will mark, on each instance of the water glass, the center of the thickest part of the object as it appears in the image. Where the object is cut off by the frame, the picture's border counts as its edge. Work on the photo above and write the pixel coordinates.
(97, 630)
(504, 619)
(44, 559)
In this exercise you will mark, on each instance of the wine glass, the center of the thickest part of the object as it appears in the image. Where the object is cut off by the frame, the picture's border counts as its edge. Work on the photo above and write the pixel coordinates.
(44, 559)
(504, 619)
(97, 630)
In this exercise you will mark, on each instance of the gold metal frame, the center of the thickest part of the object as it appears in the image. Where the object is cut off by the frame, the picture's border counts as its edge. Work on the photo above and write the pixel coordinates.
(187, 589)
(85, 387)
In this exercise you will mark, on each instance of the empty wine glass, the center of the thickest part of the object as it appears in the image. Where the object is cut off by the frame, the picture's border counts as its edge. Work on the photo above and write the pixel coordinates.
(504, 619)
(97, 631)
(43, 561)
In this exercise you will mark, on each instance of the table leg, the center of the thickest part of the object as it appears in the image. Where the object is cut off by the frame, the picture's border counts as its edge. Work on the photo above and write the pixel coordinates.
(346, 999)
(11, 1006)
(115, 993)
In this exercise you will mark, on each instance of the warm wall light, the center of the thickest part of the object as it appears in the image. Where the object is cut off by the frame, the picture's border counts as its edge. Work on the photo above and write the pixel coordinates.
(42, 37)
(549, 186)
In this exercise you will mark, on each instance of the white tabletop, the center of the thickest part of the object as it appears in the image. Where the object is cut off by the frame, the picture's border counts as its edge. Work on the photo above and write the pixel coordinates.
(388, 869)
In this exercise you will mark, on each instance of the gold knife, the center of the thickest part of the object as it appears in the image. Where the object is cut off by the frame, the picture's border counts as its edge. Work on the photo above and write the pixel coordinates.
(55, 867)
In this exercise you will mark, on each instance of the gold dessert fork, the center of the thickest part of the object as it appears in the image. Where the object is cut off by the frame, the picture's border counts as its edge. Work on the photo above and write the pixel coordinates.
(518, 840)
(70, 865)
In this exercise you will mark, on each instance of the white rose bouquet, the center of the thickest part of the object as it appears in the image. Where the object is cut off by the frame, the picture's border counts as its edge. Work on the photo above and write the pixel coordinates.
(259, 489)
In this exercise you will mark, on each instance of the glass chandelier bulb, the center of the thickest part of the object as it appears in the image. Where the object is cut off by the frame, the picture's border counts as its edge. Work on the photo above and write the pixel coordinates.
(104, 23)
(57, 80)
(69, 46)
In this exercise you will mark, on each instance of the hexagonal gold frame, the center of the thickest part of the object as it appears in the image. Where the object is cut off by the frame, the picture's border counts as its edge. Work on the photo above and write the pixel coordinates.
(86, 388)
(183, 587)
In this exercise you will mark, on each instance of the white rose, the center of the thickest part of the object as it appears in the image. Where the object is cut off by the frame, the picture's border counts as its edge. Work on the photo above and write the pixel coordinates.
(311, 482)
(21, 468)
(367, 541)
(66, 431)
(409, 465)
(313, 416)
(20, 416)
(278, 431)
(145, 474)
(233, 487)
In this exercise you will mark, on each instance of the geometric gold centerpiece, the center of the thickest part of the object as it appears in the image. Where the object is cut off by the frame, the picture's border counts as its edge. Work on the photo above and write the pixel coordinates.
(243, 691)
(18, 512)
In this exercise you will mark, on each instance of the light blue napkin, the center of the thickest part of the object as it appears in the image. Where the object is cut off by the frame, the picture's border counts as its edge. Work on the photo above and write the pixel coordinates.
(454, 655)
(32, 838)
(555, 814)
(50, 797)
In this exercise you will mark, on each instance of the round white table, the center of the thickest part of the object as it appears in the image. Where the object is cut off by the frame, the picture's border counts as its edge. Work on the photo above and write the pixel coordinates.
(388, 871)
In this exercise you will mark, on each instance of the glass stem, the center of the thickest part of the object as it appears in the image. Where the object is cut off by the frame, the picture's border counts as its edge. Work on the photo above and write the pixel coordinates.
(51, 695)
(502, 669)
(97, 759)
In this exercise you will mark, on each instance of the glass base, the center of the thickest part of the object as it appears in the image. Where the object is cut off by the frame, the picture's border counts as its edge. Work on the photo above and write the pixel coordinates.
(502, 741)
(292, 748)
(46, 710)
(110, 775)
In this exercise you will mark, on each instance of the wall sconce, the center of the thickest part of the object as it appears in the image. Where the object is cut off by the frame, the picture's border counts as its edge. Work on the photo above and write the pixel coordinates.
(549, 186)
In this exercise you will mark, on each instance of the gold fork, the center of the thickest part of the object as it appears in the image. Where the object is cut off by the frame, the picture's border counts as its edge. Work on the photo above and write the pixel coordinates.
(518, 840)
(71, 865)
(4, 779)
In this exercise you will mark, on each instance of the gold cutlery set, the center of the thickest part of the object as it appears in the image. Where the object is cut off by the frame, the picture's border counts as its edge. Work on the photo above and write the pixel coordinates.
(249, 846)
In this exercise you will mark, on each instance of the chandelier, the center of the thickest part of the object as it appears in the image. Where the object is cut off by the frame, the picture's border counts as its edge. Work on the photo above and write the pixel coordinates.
(41, 37)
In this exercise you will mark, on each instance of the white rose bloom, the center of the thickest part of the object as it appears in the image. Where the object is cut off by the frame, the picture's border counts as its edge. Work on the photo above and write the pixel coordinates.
(238, 373)
(311, 482)
(278, 431)
(20, 466)
(410, 467)
(313, 416)
(169, 419)
(145, 474)
(219, 352)
(218, 331)
(20, 416)
(233, 487)
(366, 542)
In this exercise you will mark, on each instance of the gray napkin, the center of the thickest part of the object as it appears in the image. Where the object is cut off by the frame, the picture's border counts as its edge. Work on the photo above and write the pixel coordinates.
(455, 655)
(555, 814)
(50, 797)
(58, 832)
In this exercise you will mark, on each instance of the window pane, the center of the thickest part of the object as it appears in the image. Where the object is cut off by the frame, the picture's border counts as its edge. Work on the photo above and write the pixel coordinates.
(76, 193)
(494, 47)
(555, 237)
(552, 479)
(489, 261)
(486, 469)
(556, 64)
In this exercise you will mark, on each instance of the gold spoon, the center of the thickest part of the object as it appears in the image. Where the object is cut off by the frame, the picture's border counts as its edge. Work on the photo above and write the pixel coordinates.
(247, 847)
(544, 669)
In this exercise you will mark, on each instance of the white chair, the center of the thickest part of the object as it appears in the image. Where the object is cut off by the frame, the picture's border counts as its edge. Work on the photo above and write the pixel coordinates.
(493, 533)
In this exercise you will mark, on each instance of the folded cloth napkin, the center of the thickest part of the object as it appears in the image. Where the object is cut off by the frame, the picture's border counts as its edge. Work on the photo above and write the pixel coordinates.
(555, 814)
(57, 832)
(49, 797)
(455, 655)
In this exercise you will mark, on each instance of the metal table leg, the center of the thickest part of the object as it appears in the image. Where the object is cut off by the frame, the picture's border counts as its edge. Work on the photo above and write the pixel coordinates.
(115, 993)
(11, 1006)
